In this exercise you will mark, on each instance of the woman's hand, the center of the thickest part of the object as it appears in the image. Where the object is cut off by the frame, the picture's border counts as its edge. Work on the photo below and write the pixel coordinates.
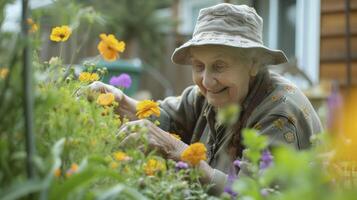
(157, 138)
(101, 87)
(127, 105)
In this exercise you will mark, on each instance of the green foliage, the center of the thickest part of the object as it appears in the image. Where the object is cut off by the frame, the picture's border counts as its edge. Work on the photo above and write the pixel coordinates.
(254, 144)
(228, 115)
(293, 174)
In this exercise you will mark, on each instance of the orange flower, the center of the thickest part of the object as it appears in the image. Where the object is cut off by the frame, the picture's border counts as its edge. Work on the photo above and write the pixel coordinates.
(194, 153)
(109, 47)
(34, 26)
(152, 166)
(72, 170)
(106, 99)
(121, 156)
(147, 108)
(58, 172)
(60, 34)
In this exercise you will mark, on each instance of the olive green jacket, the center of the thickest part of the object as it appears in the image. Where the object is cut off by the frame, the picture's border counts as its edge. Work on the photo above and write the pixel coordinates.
(274, 106)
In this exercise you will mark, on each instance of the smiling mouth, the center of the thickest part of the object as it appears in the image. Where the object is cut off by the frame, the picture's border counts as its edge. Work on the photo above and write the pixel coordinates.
(219, 91)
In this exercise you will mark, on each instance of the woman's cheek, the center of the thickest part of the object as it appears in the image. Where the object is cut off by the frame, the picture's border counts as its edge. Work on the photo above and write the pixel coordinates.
(198, 81)
(233, 93)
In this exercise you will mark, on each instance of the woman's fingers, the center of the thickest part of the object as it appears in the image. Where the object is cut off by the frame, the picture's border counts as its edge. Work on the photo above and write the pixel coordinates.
(157, 139)
(129, 140)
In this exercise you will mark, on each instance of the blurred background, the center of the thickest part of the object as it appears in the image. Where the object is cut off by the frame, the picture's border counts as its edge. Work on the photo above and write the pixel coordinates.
(319, 37)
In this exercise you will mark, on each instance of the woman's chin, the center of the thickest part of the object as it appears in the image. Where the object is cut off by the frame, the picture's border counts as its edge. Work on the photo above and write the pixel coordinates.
(217, 102)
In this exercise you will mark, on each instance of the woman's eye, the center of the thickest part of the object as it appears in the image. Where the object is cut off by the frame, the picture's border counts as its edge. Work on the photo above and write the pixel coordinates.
(219, 67)
(198, 68)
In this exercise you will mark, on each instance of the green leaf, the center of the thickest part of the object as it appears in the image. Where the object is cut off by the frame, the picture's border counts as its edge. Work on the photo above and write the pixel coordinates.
(22, 189)
(114, 191)
(228, 115)
(252, 140)
(81, 180)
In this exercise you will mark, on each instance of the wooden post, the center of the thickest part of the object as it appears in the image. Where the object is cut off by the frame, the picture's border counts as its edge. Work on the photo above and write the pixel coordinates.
(27, 95)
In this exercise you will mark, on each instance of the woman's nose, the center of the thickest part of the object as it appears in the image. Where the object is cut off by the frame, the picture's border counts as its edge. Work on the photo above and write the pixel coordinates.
(208, 80)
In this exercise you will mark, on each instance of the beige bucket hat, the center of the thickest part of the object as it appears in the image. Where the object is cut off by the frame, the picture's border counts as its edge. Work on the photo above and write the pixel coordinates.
(229, 25)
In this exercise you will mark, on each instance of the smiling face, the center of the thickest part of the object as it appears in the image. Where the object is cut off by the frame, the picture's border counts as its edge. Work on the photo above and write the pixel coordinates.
(222, 73)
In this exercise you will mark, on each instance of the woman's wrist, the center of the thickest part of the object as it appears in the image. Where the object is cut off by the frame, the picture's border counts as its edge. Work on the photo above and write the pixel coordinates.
(213, 176)
(127, 107)
(208, 172)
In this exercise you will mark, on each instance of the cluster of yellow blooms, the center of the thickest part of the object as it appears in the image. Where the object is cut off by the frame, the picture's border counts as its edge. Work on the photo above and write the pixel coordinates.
(109, 47)
(88, 77)
(194, 153)
(152, 166)
(146, 108)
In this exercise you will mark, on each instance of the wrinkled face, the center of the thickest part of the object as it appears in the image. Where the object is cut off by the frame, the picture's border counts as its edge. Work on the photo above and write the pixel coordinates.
(221, 73)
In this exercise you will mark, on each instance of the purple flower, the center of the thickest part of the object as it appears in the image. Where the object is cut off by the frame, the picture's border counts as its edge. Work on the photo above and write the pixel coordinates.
(264, 192)
(230, 180)
(230, 191)
(123, 80)
(181, 165)
(266, 160)
(237, 163)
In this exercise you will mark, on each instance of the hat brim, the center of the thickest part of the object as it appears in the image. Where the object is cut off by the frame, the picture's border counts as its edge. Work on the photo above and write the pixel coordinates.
(181, 55)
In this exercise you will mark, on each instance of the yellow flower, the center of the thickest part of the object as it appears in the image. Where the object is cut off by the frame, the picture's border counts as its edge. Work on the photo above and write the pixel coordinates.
(93, 142)
(176, 136)
(152, 166)
(109, 47)
(84, 76)
(121, 156)
(34, 26)
(94, 77)
(114, 165)
(60, 34)
(4, 72)
(194, 153)
(57, 172)
(72, 170)
(88, 77)
(147, 108)
(105, 99)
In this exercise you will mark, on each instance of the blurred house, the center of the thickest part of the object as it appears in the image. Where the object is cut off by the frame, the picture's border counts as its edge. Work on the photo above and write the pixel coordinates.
(338, 49)
(313, 34)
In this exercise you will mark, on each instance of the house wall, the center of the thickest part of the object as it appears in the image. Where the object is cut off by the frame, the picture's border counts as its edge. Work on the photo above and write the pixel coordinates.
(333, 54)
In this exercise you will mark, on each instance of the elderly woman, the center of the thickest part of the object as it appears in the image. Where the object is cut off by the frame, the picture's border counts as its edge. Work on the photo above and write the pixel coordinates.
(229, 62)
